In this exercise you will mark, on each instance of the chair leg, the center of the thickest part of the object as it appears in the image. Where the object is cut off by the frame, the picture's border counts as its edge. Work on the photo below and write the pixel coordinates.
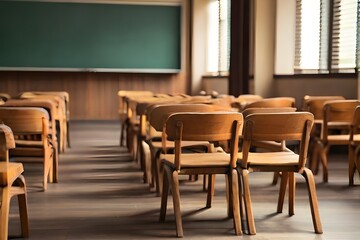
(352, 165)
(282, 191)
(247, 202)
(46, 175)
(314, 160)
(4, 213)
(141, 158)
(147, 162)
(211, 190)
(292, 188)
(153, 168)
(68, 133)
(309, 177)
(324, 161)
(122, 133)
(228, 182)
(176, 202)
(276, 177)
(205, 182)
(158, 173)
(323, 152)
(164, 195)
(22, 201)
(357, 160)
(55, 168)
(235, 202)
(241, 201)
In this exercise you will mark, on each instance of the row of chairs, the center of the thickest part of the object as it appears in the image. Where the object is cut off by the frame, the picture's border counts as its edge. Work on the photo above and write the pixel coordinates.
(206, 143)
(336, 124)
(48, 114)
(34, 129)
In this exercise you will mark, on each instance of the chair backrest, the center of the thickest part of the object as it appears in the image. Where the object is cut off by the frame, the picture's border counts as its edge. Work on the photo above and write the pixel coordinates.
(315, 104)
(340, 110)
(6, 142)
(287, 126)
(46, 104)
(62, 95)
(26, 120)
(244, 99)
(249, 98)
(124, 94)
(355, 125)
(273, 102)
(204, 126)
(159, 114)
(338, 114)
(249, 111)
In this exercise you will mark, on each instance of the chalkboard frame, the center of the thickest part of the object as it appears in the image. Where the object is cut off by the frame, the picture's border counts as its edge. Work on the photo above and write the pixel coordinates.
(141, 69)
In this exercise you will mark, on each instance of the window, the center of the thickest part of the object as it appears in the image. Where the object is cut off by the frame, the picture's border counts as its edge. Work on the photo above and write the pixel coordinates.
(218, 43)
(327, 36)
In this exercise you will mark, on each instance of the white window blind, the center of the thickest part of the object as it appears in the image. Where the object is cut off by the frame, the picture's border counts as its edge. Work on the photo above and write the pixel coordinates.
(218, 44)
(327, 36)
(344, 34)
(307, 35)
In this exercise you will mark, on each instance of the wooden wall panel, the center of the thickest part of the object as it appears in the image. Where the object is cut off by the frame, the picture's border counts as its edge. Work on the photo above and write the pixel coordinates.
(93, 96)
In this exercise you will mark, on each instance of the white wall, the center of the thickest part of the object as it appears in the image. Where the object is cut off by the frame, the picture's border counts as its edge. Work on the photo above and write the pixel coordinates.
(264, 47)
(198, 44)
(285, 36)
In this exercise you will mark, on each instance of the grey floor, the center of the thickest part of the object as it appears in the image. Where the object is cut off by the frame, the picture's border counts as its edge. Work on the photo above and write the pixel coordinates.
(101, 195)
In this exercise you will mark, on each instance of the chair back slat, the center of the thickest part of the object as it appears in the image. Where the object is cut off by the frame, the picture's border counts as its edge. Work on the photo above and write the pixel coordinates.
(340, 110)
(202, 126)
(159, 114)
(24, 120)
(315, 104)
(273, 102)
(275, 126)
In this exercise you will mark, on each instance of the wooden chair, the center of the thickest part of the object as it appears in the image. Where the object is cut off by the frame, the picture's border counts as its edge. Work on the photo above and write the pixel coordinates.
(272, 102)
(315, 105)
(59, 115)
(123, 109)
(305, 105)
(354, 146)
(65, 97)
(143, 153)
(294, 126)
(272, 146)
(12, 183)
(210, 127)
(50, 107)
(338, 116)
(31, 130)
(157, 116)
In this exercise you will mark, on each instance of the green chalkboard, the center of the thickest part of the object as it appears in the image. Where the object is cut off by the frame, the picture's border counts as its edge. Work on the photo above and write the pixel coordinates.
(89, 36)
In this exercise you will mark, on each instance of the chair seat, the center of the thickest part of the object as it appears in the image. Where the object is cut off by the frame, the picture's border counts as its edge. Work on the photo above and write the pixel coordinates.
(201, 160)
(287, 158)
(12, 170)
